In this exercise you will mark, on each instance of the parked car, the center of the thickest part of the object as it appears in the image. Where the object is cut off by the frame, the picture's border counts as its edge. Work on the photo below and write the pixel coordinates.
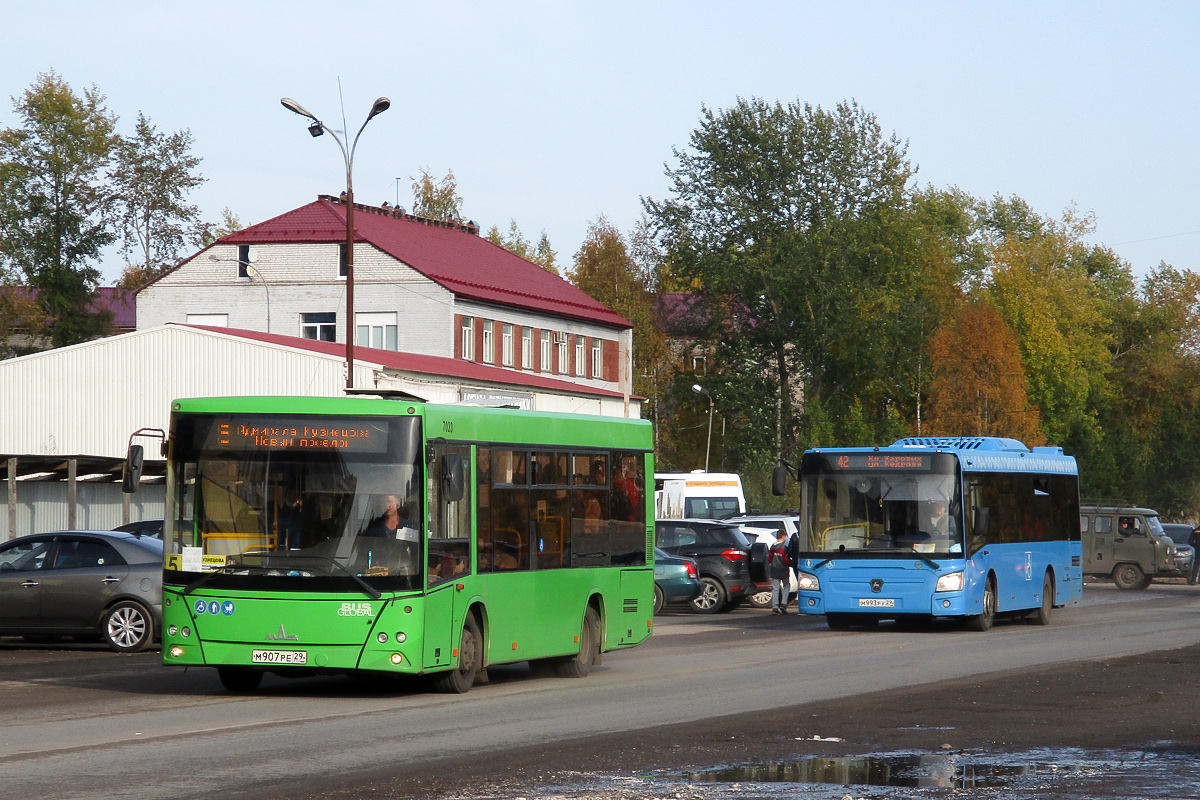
(763, 528)
(84, 584)
(1125, 543)
(145, 527)
(731, 568)
(1185, 554)
(676, 579)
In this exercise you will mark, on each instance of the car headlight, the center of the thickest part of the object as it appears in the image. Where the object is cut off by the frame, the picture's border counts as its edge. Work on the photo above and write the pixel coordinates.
(807, 583)
(950, 582)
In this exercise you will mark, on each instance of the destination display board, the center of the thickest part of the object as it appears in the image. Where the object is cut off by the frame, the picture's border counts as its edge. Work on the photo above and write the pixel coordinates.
(295, 434)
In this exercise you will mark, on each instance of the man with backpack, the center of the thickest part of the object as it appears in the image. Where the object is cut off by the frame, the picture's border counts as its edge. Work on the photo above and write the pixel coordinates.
(780, 567)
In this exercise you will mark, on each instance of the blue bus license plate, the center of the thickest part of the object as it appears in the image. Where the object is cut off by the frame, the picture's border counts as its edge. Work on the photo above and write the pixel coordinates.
(279, 657)
(876, 602)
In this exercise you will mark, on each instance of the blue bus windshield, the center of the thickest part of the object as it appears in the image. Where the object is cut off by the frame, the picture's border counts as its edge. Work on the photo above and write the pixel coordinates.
(873, 504)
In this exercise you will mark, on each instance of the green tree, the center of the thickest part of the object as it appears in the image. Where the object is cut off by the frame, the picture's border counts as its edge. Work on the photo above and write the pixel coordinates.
(795, 225)
(152, 176)
(437, 200)
(54, 204)
(229, 224)
(514, 242)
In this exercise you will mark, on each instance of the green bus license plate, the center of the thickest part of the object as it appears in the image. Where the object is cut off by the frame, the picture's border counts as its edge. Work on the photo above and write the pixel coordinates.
(876, 602)
(279, 657)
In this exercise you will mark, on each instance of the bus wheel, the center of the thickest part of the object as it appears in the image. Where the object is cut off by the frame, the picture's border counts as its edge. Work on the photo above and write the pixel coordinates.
(711, 598)
(1129, 576)
(1041, 616)
(838, 622)
(460, 679)
(983, 621)
(239, 680)
(659, 600)
(579, 666)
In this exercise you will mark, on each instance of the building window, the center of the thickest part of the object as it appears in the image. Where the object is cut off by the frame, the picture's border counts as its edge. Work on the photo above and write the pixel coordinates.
(700, 364)
(342, 267)
(211, 320)
(321, 327)
(580, 364)
(377, 330)
(489, 342)
(243, 260)
(468, 338)
(506, 346)
(560, 341)
(527, 348)
(597, 360)
(546, 365)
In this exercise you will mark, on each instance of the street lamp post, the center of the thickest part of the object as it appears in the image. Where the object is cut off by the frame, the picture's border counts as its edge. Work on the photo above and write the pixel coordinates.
(698, 389)
(316, 129)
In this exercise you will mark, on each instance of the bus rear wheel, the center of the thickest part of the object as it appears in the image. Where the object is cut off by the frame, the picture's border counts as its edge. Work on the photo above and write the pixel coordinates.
(983, 621)
(1041, 615)
(460, 679)
(580, 666)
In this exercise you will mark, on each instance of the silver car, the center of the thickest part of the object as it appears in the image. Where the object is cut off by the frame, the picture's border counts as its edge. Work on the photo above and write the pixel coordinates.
(82, 584)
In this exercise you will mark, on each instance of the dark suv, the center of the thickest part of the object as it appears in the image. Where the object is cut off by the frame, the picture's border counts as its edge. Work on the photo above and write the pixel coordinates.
(731, 568)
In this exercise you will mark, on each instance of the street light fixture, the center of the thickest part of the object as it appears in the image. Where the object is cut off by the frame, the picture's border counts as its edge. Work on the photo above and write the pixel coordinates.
(316, 129)
(698, 389)
(253, 273)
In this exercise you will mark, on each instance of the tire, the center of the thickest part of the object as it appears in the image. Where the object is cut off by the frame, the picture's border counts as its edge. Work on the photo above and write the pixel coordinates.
(1041, 616)
(838, 622)
(128, 627)
(580, 666)
(659, 600)
(470, 650)
(712, 597)
(239, 680)
(983, 621)
(1129, 577)
(761, 599)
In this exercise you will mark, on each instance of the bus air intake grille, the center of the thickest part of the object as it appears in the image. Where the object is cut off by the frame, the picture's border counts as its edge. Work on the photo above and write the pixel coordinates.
(1075, 561)
(631, 605)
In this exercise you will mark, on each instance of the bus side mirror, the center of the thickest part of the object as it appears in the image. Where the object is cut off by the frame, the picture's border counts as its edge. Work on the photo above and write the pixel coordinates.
(454, 478)
(980, 528)
(132, 473)
(779, 480)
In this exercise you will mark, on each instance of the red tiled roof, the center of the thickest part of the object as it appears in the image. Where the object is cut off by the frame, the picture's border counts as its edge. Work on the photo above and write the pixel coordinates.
(412, 362)
(462, 262)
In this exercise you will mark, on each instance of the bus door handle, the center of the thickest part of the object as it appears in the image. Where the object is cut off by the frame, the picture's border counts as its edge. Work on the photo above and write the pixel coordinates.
(110, 579)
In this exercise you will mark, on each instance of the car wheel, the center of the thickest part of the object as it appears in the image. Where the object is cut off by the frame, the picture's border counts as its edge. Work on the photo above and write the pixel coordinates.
(460, 679)
(128, 627)
(983, 621)
(711, 598)
(239, 680)
(761, 599)
(580, 666)
(659, 600)
(1041, 616)
(1129, 576)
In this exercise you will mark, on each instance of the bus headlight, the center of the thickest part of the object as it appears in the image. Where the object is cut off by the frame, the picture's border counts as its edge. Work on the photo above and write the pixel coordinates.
(807, 583)
(950, 582)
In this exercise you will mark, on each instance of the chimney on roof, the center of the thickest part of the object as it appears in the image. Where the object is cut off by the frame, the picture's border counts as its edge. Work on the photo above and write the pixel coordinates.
(472, 227)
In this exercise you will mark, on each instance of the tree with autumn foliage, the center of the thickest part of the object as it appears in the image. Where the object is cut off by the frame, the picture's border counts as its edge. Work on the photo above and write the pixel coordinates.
(978, 385)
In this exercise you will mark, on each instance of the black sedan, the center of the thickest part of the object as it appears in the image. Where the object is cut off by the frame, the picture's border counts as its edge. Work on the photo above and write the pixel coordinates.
(731, 568)
(83, 584)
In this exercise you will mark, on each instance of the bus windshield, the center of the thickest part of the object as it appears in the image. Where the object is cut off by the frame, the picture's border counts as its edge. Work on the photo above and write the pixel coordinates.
(873, 504)
(297, 496)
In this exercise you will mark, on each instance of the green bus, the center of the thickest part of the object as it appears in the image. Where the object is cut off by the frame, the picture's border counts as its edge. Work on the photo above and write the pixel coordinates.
(360, 534)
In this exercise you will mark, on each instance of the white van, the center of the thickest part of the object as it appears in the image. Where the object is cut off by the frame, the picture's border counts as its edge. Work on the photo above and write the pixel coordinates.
(698, 495)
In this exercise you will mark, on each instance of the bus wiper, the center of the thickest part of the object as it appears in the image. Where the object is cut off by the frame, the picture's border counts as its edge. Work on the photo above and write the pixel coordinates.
(366, 587)
(924, 558)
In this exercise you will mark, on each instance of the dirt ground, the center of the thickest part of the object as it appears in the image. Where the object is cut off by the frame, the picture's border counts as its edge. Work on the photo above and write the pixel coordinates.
(1132, 703)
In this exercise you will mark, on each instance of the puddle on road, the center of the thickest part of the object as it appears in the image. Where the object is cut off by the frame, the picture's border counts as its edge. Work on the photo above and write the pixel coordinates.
(914, 770)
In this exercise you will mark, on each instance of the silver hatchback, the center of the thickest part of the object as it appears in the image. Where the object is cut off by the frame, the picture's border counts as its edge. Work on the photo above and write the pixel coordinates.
(83, 584)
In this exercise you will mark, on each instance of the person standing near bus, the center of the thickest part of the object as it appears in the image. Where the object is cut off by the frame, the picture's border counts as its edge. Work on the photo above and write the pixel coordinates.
(781, 569)
(1194, 541)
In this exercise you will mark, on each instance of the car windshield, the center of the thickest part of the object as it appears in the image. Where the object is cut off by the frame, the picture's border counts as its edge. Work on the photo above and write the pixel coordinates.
(297, 497)
(873, 506)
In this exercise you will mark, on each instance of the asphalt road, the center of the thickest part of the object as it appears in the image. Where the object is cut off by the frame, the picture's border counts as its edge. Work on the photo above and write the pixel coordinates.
(80, 718)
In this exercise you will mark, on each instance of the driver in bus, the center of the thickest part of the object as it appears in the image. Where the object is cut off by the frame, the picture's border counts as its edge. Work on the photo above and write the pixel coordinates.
(939, 525)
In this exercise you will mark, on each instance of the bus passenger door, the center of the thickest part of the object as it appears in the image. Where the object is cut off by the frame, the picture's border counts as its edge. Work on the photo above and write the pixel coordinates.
(448, 561)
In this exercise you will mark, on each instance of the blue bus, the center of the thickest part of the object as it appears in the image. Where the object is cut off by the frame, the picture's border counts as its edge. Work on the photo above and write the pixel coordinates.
(937, 527)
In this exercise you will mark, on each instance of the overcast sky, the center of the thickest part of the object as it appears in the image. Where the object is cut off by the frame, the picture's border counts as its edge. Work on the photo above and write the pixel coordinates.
(553, 113)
